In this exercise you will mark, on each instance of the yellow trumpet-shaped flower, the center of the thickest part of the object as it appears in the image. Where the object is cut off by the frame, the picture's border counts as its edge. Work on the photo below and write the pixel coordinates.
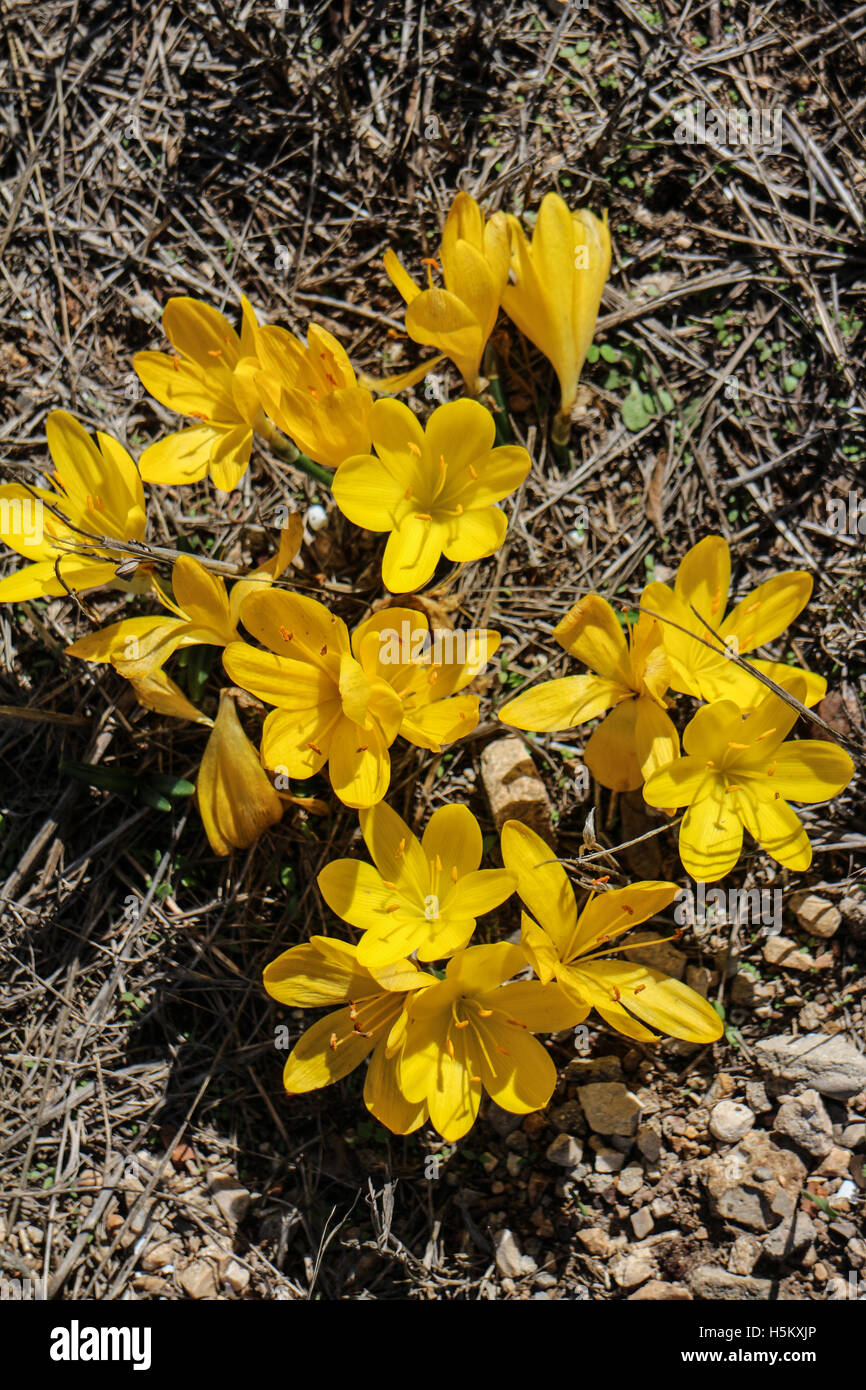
(327, 972)
(703, 583)
(435, 490)
(422, 896)
(95, 491)
(556, 293)
(312, 394)
(202, 611)
(471, 1031)
(212, 380)
(576, 950)
(630, 677)
(234, 794)
(739, 773)
(427, 670)
(328, 709)
(458, 319)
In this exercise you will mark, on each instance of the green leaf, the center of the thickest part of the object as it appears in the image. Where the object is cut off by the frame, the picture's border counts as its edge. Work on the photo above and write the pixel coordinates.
(609, 353)
(634, 412)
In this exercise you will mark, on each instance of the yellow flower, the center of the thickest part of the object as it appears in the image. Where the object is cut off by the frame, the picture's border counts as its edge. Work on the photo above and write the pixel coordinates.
(326, 971)
(427, 671)
(422, 896)
(328, 709)
(703, 582)
(234, 794)
(558, 283)
(575, 950)
(434, 490)
(630, 679)
(312, 394)
(97, 489)
(471, 1031)
(202, 612)
(212, 380)
(738, 773)
(459, 319)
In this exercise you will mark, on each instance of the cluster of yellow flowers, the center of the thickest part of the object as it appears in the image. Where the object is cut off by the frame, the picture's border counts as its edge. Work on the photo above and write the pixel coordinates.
(341, 699)
(436, 1041)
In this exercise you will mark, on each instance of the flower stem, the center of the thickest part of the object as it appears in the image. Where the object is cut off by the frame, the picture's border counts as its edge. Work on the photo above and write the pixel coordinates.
(495, 396)
(285, 450)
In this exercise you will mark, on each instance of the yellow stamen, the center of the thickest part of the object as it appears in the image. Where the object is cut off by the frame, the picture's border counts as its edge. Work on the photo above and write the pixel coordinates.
(413, 448)
(473, 474)
(423, 516)
(454, 873)
(401, 847)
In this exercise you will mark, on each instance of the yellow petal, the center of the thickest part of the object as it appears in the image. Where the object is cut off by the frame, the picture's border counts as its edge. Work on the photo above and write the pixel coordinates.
(703, 581)
(562, 704)
(518, 1073)
(542, 1008)
(711, 834)
(612, 752)
(542, 883)
(358, 764)
(236, 800)
(296, 626)
(179, 458)
(478, 892)
(441, 320)
(539, 949)
(678, 784)
(323, 970)
(412, 554)
(315, 1062)
(815, 685)
(369, 495)
(400, 278)
(810, 770)
(385, 1101)
(474, 535)
(200, 332)
(609, 915)
(774, 824)
(435, 726)
(664, 1003)
(158, 692)
(395, 851)
(202, 595)
(766, 612)
(453, 835)
(292, 685)
(355, 891)
(592, 633)
(297, 742)
(657, 742)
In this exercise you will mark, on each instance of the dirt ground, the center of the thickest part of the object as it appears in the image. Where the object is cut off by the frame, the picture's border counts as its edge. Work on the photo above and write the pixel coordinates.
(147, 1149)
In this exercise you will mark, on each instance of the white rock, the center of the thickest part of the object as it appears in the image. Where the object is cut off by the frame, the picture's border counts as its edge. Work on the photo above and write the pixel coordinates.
(610, 1108)
(509, 1260)
(730, 1122)
(804, 1119)
(831, 1065)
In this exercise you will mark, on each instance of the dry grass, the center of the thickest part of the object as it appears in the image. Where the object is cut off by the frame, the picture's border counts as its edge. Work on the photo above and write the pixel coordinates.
(207, 148)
